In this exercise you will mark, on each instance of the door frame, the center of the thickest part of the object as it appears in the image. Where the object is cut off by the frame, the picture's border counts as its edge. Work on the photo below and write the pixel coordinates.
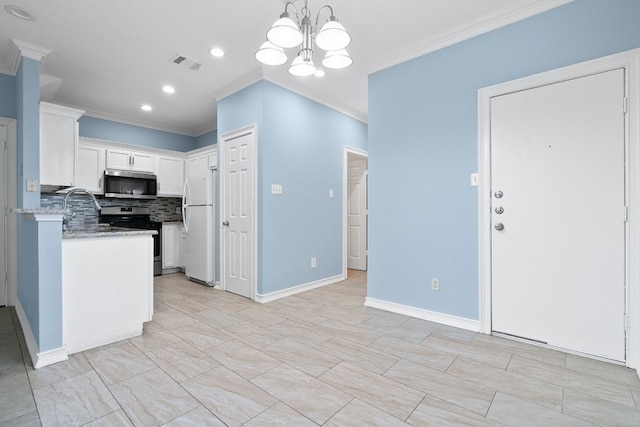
(253, 130)
(630, 61)
(11, 237)
(349, 152)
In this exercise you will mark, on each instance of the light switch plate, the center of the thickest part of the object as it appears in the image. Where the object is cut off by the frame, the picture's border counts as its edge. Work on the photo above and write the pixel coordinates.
(331, 193)
(474, 179)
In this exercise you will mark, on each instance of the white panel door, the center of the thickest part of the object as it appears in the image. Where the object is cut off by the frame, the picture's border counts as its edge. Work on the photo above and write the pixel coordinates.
(238, 215)
(558, 189)
(357, 214)
(3, 223)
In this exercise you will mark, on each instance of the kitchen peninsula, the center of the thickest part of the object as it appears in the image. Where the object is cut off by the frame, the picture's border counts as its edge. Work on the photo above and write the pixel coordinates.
(107, 285)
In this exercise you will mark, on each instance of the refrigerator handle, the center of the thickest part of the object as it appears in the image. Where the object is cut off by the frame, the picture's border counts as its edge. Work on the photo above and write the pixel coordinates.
(184, 206)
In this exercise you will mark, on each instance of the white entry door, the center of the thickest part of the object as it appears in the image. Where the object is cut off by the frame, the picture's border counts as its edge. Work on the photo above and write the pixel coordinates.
(357, 214)
(3, 223)
(238, 213)
(558, 214)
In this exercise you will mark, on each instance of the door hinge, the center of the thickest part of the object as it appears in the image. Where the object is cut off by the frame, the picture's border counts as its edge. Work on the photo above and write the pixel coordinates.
(626, 322)
(625, 105)
(626, 213)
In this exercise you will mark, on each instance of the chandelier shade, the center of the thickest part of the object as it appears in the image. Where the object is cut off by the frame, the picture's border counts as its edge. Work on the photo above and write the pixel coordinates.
(287, 33)
(270, 54)
(302, 67)
(337, 59)
(332, 36)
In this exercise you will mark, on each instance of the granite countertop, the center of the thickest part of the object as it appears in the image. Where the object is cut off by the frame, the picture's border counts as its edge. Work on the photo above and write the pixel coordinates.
(93, 231)
(45, 210)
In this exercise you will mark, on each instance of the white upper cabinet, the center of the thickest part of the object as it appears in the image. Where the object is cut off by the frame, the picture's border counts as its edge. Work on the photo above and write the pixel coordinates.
(129, 160)
(58, 144)
(170, 172)
(90, 167)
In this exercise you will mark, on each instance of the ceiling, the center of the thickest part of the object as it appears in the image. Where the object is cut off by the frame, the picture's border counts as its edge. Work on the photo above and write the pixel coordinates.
(109, 57)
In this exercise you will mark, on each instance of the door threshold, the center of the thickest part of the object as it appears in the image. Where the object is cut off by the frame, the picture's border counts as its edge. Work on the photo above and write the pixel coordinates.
(543, 344)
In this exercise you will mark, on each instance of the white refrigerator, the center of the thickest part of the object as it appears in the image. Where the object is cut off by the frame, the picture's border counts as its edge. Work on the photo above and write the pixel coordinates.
(198, 215)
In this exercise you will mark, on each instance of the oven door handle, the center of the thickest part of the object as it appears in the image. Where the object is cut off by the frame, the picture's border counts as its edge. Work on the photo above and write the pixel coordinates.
(184, 205)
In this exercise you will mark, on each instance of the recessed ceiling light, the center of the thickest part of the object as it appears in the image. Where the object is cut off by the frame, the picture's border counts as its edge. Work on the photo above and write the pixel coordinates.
(217, 52)
(168, 89)
(319, 73)
(146, 107)
(19, 12)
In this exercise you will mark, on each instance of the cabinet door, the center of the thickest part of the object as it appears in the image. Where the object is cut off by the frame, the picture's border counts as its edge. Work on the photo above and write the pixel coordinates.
(170, 172)
(181, 245)
(58, 142)
(141, 162)
(118, 159)
(169, 245)
(90, 168)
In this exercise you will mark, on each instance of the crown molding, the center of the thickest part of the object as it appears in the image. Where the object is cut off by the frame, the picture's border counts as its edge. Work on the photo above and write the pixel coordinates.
(354, 114)
(19, 49)
(484, 24)
(253, 76)
(258, 74)
(127, 121)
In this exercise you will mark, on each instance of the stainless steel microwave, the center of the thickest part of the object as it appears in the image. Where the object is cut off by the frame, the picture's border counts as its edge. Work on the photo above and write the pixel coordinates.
(130, 185)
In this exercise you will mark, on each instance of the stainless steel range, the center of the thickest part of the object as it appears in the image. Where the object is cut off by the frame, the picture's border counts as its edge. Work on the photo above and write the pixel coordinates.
(140, 218)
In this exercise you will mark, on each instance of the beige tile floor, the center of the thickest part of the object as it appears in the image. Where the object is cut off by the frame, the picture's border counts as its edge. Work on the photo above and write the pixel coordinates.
(211, 358)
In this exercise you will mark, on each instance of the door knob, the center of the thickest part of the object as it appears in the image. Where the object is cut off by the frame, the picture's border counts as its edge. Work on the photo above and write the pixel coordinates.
(226, 223)
(499, 226)
(499, 194)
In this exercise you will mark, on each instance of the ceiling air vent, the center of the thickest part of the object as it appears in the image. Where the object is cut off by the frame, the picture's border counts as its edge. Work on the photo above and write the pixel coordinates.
(185, 62)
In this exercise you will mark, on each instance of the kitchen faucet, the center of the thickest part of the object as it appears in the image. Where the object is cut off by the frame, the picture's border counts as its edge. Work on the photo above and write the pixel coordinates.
(67, 218)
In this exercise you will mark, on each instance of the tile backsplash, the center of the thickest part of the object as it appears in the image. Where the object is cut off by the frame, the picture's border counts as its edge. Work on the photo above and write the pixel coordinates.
(162, 209)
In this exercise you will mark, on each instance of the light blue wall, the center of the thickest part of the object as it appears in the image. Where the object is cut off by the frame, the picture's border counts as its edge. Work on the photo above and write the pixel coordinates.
(300, 146)
(28, 278)
(50, 284)
(91, 127)
(28, 122)
(206, 139)
(8, 96)
(39, 243)
(423, 214)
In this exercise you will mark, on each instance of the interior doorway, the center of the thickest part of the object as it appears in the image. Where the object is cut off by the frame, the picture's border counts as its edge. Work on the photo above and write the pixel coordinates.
(355, 204)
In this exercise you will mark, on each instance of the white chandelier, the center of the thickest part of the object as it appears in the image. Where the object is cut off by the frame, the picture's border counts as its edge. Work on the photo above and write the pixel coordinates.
(286, 33)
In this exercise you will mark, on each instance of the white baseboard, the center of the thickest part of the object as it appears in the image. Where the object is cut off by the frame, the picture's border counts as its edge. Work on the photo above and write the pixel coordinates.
(419, 313)
(298, 289)
(39, 359)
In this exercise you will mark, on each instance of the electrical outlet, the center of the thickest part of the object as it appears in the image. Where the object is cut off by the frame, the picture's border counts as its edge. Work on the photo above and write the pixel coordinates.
(435, 284)
(32, 185)
(314, 262)
(276, 189)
